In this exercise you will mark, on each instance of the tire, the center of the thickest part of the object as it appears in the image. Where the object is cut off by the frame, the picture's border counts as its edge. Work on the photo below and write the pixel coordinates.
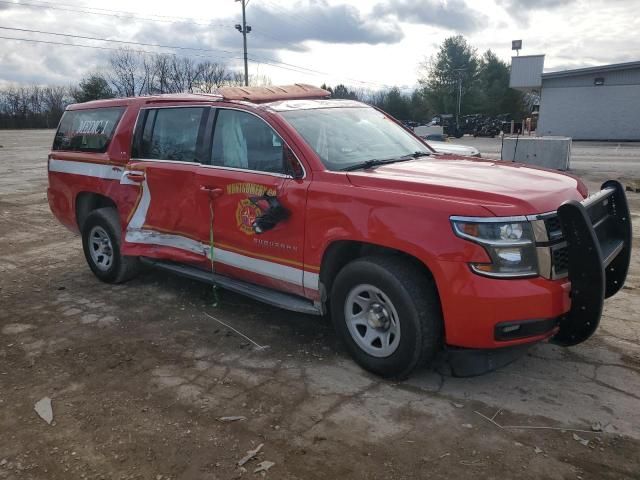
(405, 294)
(102, 227)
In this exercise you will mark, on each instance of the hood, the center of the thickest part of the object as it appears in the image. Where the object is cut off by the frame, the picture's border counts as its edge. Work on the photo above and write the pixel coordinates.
(504, 188)
(452, 148)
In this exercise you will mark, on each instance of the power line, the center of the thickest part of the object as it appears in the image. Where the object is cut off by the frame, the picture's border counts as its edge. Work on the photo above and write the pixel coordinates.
(316, 72)
(125, 14)
(89, 7)
(146, 52)
(275, 64)
(82, 37)
(289, 13)
(97, 47)
(266, 60)
(116, 14)
(176, 47)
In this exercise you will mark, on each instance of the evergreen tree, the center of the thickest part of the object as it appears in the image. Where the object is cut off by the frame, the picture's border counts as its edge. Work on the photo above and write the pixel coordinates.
(93, 87)
(455, 61)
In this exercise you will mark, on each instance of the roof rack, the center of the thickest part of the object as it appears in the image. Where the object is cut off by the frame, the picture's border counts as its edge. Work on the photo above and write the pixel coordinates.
(298, 91)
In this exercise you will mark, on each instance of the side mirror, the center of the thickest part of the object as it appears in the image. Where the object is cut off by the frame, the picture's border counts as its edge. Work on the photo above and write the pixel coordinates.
(291, 164)
(273, 213)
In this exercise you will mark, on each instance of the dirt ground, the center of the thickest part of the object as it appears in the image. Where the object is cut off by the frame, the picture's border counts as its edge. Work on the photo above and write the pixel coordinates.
(140, 377)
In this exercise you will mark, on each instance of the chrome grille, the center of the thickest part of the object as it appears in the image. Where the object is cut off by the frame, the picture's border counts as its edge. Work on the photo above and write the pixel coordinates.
(553, 253)
(560, 261)
(554, 228)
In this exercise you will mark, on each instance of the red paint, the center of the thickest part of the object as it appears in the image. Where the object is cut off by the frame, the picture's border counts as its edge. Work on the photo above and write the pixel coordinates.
(404, 206)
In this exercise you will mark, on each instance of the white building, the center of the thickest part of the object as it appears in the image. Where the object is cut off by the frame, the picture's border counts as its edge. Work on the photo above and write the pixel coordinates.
(596, 103)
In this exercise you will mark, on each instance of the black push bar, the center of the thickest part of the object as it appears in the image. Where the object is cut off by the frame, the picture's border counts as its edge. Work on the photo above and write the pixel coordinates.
(598, 235)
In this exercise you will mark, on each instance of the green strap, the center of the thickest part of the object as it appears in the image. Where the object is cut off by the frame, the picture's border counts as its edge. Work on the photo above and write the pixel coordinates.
(214, 287)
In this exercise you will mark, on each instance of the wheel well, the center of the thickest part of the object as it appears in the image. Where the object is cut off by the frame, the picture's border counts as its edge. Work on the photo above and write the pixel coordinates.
(86, 202)
(339, 253)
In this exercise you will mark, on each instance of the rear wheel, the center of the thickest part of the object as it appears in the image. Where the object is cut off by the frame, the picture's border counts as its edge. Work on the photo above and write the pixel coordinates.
(387, 313)
(101, 240)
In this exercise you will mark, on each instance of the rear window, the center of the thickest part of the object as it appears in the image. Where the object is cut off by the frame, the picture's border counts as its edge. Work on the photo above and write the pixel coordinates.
(172, 134)
(87, 130)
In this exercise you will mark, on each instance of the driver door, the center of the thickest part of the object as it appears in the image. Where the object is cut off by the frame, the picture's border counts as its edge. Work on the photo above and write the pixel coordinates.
(248, 161)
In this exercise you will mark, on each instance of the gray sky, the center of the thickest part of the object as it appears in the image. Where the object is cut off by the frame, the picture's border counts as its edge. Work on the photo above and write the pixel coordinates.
(362, 43)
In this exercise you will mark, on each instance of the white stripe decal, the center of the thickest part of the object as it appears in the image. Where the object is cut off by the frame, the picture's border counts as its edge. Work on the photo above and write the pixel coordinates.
(232, 259)
(140, 215)
(108, 172)
(261, 267)
(135, 233)
(152, 237)
(311, 280)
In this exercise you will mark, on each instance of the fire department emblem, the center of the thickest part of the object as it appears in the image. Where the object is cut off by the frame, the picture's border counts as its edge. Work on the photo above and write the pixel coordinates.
(246, 214)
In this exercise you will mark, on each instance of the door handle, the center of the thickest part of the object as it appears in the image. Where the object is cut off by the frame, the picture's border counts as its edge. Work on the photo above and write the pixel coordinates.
(135, 175)
(212, 191)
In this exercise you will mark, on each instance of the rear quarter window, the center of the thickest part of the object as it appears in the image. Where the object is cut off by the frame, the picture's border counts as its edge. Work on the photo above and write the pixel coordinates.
(87, 130)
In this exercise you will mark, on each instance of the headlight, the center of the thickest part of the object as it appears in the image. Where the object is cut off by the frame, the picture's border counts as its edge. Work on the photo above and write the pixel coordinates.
(509, 243)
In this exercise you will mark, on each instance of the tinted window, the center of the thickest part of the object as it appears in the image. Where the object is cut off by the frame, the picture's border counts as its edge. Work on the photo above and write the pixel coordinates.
(172, 134)
(242, 140)
(87, 130)
(342, 137)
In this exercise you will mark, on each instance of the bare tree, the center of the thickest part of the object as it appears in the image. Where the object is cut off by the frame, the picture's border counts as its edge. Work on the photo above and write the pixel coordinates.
(56, 99)
(36, 100)
(184, 74)
(213, 75)
(236, 79)
(259, 80)
(148, 66)
(127, 74)
(162, 64)
(32, 106)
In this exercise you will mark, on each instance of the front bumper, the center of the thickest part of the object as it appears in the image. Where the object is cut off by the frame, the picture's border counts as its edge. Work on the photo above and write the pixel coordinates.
(595, 237)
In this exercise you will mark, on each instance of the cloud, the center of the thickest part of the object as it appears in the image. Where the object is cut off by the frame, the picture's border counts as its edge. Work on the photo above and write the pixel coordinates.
(452, 14)
(40, 64)
(537, 5)
(287, 27)
(277, 29)
(522, 9)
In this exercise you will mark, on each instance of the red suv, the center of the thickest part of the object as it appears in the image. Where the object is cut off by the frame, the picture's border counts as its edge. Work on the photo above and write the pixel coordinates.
(319, 205)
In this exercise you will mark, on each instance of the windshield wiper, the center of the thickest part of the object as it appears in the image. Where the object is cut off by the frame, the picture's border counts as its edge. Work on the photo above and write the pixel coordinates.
(416, 155)
(377, 162)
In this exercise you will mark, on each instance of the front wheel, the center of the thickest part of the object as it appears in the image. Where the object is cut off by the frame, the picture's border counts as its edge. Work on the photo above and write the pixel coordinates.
(101, 245)
(387, 313)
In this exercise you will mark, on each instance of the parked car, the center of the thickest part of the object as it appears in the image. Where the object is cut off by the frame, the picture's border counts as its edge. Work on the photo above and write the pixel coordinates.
(330, 206)
(453, 148)
(448, 122)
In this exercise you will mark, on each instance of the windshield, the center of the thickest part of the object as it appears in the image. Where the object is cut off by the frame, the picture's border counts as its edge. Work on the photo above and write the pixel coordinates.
(344, 137)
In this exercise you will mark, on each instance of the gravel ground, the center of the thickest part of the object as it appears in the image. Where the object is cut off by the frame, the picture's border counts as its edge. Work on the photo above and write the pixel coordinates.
(140, 377)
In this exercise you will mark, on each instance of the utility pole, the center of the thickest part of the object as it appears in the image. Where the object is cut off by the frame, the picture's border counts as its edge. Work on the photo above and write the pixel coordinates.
(244, 29)
(459, 71)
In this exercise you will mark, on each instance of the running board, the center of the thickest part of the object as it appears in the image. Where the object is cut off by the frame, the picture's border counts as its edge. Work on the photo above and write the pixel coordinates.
(262, 294)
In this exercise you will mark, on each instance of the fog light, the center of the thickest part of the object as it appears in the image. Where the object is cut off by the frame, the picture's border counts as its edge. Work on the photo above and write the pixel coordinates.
(510, 328)
(510, 255)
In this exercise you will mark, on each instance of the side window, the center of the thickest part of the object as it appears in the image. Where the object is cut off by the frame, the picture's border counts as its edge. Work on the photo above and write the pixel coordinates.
(172, 134)
(242, 140)
(87, 130)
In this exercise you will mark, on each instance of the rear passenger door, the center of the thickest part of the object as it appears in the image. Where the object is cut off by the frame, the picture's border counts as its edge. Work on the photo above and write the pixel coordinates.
(167, 152)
